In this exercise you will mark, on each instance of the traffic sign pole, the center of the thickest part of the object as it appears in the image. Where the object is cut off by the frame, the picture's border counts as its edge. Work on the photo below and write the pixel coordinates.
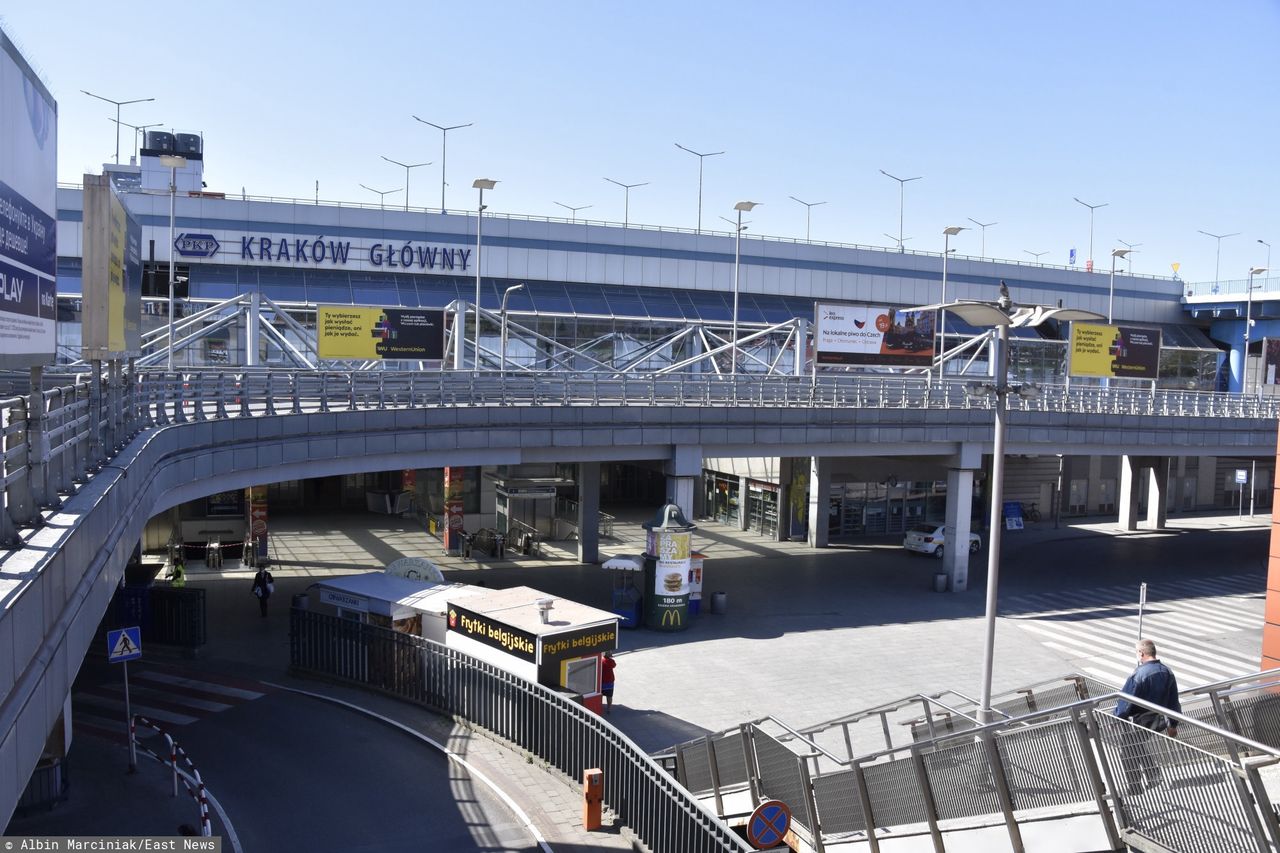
(128, 722)
(1142, 601)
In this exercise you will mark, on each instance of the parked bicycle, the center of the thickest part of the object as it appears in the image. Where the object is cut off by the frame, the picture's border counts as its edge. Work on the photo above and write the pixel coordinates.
(1029, 512)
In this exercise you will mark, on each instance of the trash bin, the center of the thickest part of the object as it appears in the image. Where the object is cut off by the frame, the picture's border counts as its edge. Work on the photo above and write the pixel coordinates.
(301, 601)
(940, 582)
(719, 602)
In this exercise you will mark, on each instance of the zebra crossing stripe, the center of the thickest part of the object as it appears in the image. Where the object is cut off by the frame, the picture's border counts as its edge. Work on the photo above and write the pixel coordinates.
(1180, 659)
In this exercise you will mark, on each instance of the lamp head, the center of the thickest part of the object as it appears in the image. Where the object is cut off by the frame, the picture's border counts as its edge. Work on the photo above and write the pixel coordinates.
(484, 184)
(1257, 270)
(1120, 253)
(953, 230)
(745, 205)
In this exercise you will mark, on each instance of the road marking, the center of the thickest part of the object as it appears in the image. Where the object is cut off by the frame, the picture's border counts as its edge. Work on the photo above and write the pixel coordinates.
(203, 686)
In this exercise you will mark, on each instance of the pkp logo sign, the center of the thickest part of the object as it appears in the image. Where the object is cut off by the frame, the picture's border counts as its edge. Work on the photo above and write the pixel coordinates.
(196, 245)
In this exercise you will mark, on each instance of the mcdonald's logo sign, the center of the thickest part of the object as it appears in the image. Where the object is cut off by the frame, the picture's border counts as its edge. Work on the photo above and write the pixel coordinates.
(671, 618)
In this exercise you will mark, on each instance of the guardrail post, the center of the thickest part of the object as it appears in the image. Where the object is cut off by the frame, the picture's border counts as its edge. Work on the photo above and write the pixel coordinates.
(38, 441)
(220, 406)
(714, 766)
(930, 807)
(749, 756)
(1086, 734)
(352, 401)
(197, 413)
(864, 800)
(811, 806)
(1263, 801)
(179, 398)
(1003, 794)
(324, 392)
(296, 402)
(270, 392)
(242, 393)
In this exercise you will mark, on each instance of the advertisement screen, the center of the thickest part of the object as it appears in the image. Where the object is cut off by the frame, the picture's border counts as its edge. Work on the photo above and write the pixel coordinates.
(28, 209)
(1114, 352)
(1271, 360)
(354, 332)
(862, 334)
(112, 274)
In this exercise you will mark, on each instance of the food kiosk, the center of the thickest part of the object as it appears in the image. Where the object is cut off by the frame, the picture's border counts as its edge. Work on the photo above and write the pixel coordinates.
(553, 641)
(628, 599)
(403, 604)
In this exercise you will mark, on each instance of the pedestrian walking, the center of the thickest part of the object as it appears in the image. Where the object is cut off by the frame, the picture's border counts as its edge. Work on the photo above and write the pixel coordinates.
(1154, 683)
(263, 586)
(178, 575)
(607, 665)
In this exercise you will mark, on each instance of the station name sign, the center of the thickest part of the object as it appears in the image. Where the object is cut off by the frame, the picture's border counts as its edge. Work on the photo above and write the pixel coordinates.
(330, 252)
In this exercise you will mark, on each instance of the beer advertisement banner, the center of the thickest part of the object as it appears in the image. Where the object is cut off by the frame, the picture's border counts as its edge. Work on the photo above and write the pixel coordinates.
(482, 629)
(355, 332)
(1114, 352)
(862, 334)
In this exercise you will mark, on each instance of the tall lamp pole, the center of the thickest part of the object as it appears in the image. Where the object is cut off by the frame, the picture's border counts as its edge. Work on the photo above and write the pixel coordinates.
(573, 210)
(138, 131)
(407, 167)
(118, 104)
(382, 194)
(1217, 258)
(174, 162)
(1268, 245)
(1133, 248)
(808, 209)
(626, 198)
(444, 150)
(1092, 208)
(1111, 289)
(701, 157)
(1248, 324)
(902, 198)
(1036, 255)
(947, 233)
(984, 226)
(737, 263)
(481, 184)
(502, 313)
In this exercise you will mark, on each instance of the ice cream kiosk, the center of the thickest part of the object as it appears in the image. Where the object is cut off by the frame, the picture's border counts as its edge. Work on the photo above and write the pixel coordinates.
(556, 642)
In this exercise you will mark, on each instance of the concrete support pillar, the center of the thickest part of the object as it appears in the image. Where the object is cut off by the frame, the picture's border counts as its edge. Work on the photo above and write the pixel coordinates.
(819, 500)
(680, 490)
(1158, 494)
(955, 554)
(744, 502)
(1127, 499)
(588, 512)
(786, 473)
(683, 470)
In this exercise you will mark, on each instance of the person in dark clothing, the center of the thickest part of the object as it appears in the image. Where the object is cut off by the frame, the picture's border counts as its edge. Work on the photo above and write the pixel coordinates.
(263, 586)
(1155, 683)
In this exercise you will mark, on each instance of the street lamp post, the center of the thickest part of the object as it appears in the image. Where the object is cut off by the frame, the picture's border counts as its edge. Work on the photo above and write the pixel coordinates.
(1000, 315)
(902, 197)
(174, 162)
(1111, 289)
(481, 184)
(1036, 255)
(444, 150)
(737, 263)
(808, 209)
(118, 104)
(1218, 254)
(1092, 208)
(947, 233)
(502, 313)
(1268, 245)
(138, 131)
(573, 210)
(1133, 248)
(407, 167)
(382, 194)
(1248, 324)
(701, 157)
(984, 226)
(626, 198)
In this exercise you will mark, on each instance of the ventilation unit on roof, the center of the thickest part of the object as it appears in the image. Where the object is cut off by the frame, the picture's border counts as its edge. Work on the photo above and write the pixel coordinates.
(189, 144)
(160, 140)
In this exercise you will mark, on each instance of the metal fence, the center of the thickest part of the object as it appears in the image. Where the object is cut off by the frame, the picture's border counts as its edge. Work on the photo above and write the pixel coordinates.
(546, 724)
(1199, 792)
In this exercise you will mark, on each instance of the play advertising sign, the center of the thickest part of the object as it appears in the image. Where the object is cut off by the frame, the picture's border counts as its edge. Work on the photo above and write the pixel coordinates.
(868, 334)
(1114, 352)
(354, 332)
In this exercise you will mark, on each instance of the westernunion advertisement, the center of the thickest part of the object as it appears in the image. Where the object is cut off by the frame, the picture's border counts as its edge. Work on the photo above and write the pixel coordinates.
(354, 332)
(1114, 352)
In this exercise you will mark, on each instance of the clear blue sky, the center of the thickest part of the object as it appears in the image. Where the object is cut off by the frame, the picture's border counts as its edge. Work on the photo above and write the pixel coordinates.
(1166, 111)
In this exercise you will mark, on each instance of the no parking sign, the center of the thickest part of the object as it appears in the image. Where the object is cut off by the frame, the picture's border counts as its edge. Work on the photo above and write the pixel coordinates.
(768, 824)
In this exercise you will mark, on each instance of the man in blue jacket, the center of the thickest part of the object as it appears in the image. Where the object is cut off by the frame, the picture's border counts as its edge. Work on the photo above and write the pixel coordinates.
(1155, 683)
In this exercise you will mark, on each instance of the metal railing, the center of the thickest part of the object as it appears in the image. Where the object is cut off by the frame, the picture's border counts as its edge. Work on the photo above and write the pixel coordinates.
(546, 724)
(1199, 792)
(567, 512)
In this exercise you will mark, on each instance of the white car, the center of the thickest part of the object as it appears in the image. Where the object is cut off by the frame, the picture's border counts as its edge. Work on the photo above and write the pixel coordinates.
(929, 539)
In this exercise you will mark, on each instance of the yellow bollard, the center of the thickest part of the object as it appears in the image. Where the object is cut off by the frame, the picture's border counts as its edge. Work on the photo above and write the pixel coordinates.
(592, 797)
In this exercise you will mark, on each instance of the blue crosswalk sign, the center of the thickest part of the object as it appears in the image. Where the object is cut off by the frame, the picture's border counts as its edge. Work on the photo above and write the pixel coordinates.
(124, 644)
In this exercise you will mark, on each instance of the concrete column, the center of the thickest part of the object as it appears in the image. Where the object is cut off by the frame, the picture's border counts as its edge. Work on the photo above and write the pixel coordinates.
(1158, 494)
(819, 500)
(1127, 499)
(680, 490)
(955, 554)
(683, 470)
(588, 512)
(744, 502)
(786, 472)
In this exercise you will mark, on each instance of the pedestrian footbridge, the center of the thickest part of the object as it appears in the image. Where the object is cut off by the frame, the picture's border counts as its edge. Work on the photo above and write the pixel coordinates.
(1055, 771)
(87, 462)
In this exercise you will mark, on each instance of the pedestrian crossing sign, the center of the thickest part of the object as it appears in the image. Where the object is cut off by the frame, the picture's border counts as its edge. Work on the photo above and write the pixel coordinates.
(124, 644)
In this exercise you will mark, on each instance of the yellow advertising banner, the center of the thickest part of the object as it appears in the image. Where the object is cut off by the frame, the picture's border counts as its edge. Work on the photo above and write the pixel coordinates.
(355, 332)
(1114, 352)
(117, 227)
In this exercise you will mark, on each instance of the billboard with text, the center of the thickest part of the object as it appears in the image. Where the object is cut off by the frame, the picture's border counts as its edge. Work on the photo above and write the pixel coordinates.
(357, 332)
(28, 212)
(112, 277)
(1114, 352)
(865, 334)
